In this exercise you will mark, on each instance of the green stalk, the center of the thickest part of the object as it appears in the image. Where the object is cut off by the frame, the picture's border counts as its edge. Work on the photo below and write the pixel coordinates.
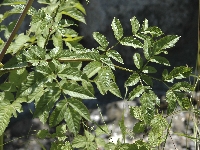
(1, 142)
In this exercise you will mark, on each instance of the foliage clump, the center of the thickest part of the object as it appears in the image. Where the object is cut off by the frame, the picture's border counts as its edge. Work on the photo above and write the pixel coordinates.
(56, 80)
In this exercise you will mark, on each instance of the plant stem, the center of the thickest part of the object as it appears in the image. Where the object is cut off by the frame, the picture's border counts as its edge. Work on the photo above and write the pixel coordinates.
(17, 26)
(1, 142)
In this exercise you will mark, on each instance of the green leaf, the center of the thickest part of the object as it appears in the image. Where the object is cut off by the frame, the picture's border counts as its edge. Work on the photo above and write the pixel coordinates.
(100, 142)
(154, 31)
(80, 108)
(147, 48)
(115, 90)
(131, 41)
(171, 99)
(145, 25)
(185, 103)
(89, 136)
(17, 76)
(5, 114)
(160, 60)
(79, 141)
(104, 79)
(19, 42)
(110, 146)
(101, 39)
(148, 101)
(88, 85)
(42, 134)
(132, 80)
(71, 73)
(178, 73)
(57, 41)
(34, 80)
(72, 119)
(75, 90)
(136, 92)
(75, 14)
(36, 94)
(115, 55)
(106, 60)
(147, 79)
(164, 74)
(59, 113)
(61, 132)
(100, 132)
(80, 7)
(149, 69)
(41, 41)
(137, 60)
(16, 106)
(135, 25)
(117, 28)
(139, 127)
(34, 54)
(157, 134)
(7, 87)
(92, 68)
(46, 104)
(11, 2)
(164, 43)
(182, 86)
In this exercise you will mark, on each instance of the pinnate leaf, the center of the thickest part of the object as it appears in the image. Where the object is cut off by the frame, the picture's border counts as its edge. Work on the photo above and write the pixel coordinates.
(164, 43)
(160, 60)
(178, 73)
(136, 92)
(117, 28)
(131, 41)
(92, 68)
(149, 69)
(137, 60)
(46, 103)
(72, 119)
(115, 55)
(154, 31)
(58, 113)
(101, 39)
(132, 80)
(147, 79)
(80, 108)
(76, 90)
(135, 25)
(171, 99)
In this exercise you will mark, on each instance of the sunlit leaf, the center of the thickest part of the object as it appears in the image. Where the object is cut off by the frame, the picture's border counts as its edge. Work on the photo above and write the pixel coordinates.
(135, 25)
(164, 43)
(117, 28)
(101, 39)
(137, 60)
(75, 90)
(131, 41)
(132, 80)
(149, 69)
(92, 68)
(115, 55)
(160, 60)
